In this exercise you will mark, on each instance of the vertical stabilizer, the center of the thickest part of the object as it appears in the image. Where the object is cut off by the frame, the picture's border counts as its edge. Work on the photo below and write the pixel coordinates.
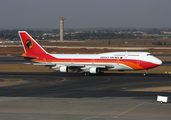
(30, 45)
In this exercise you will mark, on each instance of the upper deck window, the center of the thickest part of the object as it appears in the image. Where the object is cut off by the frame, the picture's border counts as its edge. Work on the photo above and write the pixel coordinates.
(133, 55)
(119, 55)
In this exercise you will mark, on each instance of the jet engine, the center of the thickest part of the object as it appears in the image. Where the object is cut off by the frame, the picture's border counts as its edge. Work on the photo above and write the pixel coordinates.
(94, 70)
(63, 69)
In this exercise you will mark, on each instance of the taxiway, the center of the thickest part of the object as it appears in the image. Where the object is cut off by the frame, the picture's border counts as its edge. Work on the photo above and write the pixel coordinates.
(72, 96)
(75, 97)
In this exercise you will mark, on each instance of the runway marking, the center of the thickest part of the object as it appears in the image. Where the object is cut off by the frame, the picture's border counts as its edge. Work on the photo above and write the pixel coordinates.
(40, 83)
(126, 86)
(129, 109)
(28, 86)
(52, 82)
(53, 89)
(105, 80)
(115, 111)
(62, 80)
(20, 94)
(31, 86)
(83, 84)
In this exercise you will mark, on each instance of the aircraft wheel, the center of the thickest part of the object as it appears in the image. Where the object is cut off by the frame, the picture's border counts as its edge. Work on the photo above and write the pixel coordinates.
(101, 72)
(145, 73)
(86, 74)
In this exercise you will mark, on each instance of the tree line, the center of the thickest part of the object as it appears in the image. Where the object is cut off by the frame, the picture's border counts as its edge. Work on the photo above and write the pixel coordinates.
(98, 35)
(70, 34)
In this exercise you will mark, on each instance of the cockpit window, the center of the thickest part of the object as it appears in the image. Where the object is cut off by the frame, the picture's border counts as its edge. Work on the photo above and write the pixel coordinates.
(149, 55)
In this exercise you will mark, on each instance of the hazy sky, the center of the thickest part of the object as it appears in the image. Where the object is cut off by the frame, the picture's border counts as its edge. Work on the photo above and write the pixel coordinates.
(24, 14)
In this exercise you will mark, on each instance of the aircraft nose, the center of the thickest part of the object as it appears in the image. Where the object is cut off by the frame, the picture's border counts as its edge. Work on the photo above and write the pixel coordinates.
(159, 62)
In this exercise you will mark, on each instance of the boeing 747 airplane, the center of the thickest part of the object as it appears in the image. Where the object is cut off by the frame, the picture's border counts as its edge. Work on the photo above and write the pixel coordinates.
(88, 63)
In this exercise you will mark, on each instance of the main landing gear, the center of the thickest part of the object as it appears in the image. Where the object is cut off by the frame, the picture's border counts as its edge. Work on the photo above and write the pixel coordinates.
(86, 73)
(145, 72)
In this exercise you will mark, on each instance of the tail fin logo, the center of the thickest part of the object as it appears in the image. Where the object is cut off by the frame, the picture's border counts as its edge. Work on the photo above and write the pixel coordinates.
(29, 44)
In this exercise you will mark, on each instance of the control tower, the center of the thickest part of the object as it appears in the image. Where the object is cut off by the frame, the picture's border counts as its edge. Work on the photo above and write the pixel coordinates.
(61, 28)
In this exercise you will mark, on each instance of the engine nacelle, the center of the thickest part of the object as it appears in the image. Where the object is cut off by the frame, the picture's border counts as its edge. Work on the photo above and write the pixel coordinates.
(57, 69)
(63, 69)
(60, 68)
(94, 70)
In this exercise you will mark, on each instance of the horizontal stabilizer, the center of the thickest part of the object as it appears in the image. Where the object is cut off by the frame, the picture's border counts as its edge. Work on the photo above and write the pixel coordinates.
(30, 57)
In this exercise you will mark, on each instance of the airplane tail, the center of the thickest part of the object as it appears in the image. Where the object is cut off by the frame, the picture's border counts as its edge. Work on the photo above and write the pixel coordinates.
(30, 45)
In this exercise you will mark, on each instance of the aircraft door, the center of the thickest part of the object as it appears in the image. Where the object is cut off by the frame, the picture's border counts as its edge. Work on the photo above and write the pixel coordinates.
(138, 62)
(44, 59)
(92, 61)
(117, 61)
(72, 61)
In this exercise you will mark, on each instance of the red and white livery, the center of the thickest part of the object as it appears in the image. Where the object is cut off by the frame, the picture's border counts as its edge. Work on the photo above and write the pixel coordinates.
(88, 63)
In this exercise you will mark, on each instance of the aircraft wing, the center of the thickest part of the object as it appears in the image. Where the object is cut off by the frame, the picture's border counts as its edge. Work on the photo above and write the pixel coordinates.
(70, 65)
(64, 67)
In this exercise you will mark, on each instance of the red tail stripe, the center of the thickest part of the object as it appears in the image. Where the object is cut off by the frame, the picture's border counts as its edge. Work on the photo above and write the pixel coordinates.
(30, 45)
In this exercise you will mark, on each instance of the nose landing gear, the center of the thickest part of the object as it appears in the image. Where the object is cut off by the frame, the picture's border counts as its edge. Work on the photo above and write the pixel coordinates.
(145, 72)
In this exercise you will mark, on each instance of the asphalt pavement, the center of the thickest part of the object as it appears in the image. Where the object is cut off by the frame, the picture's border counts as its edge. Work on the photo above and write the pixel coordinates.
(72, 96)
